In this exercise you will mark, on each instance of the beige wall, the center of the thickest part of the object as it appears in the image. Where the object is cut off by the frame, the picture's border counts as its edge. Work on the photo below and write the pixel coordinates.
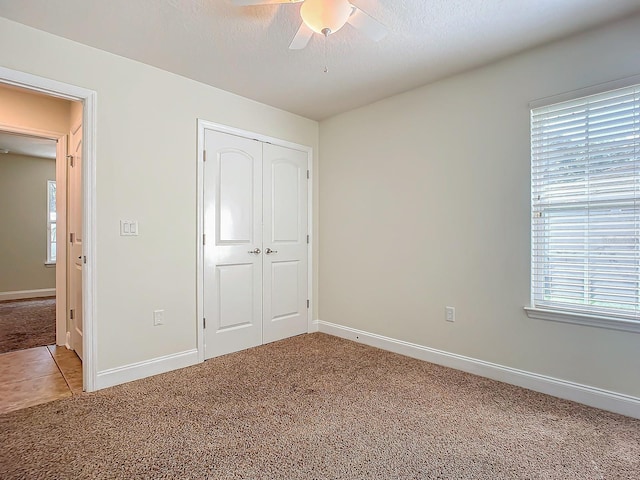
(33, 111)
(146, 171)
(424, 202)
(23, 216)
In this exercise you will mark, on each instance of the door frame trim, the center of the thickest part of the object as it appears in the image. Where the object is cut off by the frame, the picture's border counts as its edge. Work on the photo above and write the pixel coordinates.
(203, 125)
(88, 98)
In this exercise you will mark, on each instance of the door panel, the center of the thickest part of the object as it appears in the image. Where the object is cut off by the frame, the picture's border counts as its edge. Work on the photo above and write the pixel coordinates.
(235, 205)
(233, 232)
(285, 213)
(285, 281)
(74, 237)
(234, 285)
(285, 235)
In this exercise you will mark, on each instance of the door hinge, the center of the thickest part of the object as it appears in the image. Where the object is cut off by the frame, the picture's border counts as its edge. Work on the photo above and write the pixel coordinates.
(204, 156)
(84, 257)
(307, 238)
(204, 238)
(70, 158)
(308, 174)
(71, 314)
(307, 303)
(204, 323)
(71, 235)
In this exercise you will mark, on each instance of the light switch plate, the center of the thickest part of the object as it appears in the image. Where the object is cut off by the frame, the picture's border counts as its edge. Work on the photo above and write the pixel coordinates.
(128, 228)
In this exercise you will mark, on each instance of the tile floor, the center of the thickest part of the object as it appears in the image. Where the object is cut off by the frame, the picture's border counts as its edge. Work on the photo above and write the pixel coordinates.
(38, 375)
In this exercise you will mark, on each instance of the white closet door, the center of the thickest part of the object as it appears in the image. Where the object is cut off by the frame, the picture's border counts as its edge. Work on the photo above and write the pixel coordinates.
(284, 242)
(233, 243)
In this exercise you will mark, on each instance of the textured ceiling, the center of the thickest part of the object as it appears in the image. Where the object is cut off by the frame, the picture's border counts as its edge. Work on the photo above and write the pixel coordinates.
(244, 50)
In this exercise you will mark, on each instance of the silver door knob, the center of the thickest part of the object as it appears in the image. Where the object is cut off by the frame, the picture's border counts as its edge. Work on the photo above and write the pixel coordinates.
(268, 251)
(256, 251)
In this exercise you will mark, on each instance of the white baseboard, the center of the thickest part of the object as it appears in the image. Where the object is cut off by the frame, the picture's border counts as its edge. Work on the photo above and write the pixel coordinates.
(22, 294)
(594, 397)
(314, 327)
(147, 368)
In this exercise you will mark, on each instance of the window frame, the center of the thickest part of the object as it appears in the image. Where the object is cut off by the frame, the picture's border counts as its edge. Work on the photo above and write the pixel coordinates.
(611, 322)
(50, 223)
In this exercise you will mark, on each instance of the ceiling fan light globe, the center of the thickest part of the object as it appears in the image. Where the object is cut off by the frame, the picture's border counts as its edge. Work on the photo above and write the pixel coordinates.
(320, 15)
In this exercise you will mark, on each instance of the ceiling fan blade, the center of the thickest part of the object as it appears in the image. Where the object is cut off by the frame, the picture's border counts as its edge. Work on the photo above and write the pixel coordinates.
(303, 35)
(368, 25)
(247, 3)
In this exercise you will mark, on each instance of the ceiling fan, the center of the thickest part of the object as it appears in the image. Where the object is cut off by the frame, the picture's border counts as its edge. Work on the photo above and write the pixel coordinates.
(326, 17)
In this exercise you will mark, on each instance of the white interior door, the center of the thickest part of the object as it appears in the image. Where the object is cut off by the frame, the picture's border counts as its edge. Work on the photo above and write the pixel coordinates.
(74, 227)
(233, 243)
(284, 242)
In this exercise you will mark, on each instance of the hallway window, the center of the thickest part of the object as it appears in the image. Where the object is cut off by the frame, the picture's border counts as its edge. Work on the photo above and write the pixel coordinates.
(51, 221)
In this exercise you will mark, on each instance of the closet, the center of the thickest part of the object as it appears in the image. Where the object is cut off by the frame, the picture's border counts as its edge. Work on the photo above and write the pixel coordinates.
(255, 242)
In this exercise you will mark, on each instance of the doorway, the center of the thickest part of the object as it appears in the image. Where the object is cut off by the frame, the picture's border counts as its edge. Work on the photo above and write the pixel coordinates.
(28, 241)
(255, 255)
(36, 367)
(84, 212)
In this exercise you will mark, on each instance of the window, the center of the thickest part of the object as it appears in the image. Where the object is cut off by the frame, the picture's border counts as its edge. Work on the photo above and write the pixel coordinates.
(51, 221)
(585, 186)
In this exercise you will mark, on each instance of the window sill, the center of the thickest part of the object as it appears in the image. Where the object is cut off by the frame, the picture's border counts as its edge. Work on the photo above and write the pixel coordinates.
(49, 264)
(611, 323)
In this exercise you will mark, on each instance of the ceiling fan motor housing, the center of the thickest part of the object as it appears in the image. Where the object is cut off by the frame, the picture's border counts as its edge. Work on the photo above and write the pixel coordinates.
(325, 16)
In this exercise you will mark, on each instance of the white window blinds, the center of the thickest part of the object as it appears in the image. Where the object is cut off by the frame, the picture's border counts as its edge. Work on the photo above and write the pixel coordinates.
(585, 185)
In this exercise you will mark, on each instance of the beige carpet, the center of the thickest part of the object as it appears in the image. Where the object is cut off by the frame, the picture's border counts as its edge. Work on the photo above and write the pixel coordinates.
(27, 323)
(317, 407)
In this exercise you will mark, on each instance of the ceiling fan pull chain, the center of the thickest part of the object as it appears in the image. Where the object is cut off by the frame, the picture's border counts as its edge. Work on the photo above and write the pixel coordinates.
(326, 36)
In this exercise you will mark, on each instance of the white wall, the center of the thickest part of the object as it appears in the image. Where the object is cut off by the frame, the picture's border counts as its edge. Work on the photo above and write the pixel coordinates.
(424, 202)
(146, 171)
(23, 216)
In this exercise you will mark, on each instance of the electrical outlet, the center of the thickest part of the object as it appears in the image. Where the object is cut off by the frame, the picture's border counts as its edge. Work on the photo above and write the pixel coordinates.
(450, 314)
(158, 317)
